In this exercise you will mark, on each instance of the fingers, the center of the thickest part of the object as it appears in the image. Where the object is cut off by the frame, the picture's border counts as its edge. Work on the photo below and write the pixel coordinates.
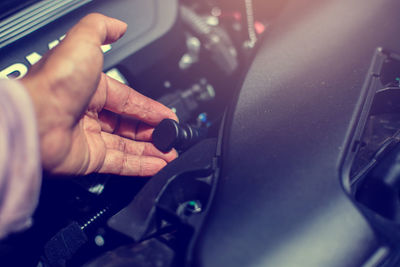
(115, 142)
(125, 126)
(127, 157)
(98, 29)
(117, 162)
(122, 99)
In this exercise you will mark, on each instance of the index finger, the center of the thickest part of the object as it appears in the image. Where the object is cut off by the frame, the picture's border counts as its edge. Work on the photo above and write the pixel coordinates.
(124, 100)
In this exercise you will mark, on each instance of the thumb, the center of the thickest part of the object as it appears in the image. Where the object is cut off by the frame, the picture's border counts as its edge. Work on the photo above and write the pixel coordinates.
(97, 28)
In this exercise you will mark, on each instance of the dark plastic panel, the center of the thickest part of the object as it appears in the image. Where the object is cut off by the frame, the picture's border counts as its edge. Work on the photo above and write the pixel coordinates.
(147, 21)
(280, 200)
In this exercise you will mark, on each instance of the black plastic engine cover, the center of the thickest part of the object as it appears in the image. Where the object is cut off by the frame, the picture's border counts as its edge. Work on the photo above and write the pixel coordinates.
(280, 199)
(147, 20)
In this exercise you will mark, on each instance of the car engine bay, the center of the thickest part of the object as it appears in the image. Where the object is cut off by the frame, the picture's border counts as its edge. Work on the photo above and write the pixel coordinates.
(294, 108)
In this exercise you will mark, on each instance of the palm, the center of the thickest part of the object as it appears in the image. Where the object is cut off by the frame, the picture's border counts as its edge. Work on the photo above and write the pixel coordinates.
(90, 146)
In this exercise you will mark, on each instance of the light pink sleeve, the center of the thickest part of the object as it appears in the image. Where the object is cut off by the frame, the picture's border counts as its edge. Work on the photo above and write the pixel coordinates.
(20, 170)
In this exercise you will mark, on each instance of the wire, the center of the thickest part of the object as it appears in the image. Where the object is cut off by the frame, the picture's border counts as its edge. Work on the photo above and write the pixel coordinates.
(250, 24)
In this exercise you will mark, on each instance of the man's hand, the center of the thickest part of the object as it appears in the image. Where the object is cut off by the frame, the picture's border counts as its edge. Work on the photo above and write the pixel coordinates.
(87, 121)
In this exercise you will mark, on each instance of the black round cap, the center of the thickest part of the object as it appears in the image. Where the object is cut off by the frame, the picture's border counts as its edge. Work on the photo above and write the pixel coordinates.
(166, 135)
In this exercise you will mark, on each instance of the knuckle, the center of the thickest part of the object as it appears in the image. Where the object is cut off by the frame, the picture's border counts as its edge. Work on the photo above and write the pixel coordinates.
(93, 16)
(126, 104)
(122, 144)
(124, 164)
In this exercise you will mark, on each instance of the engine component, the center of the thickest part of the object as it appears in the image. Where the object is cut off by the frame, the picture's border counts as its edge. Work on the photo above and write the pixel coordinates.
(141, 217)
(148, 253)
(170, 134)
(183, 103)
(214, 39)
